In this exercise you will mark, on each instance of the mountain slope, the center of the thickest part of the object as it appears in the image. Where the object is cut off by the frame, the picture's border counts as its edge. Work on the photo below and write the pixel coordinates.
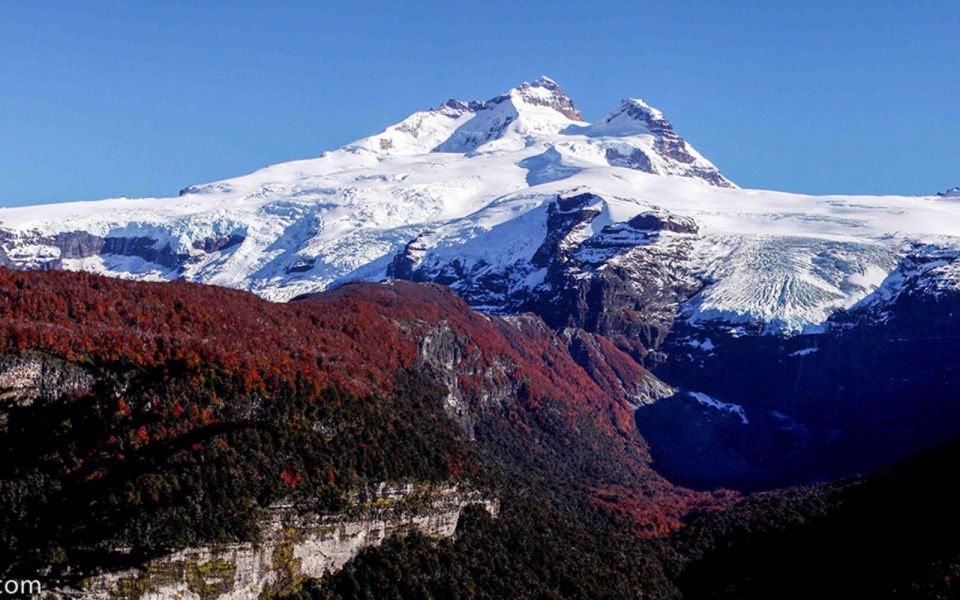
(879, 384)
(893, 534)
(176, 413)
(617, 228)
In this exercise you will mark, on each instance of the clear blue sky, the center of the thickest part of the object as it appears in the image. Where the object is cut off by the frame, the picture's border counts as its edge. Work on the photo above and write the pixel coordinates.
(143, 98)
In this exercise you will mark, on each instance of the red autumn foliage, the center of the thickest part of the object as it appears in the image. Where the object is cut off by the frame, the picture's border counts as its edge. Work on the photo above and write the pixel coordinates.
(141, 435)
(122, 408)
(356, 337)
(291, 480)
(76, 315)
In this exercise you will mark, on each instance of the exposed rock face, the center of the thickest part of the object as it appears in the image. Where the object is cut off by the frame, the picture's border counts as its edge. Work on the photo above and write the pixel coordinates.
(217, 243)
(670, 145)
(60, 250)
(564, 216)
(514, 116)
(301, 266)
(663, 221)
(636, 159)
(421, 131)
(55, 248)
(405, 263)
(615, 371)
(146, 248)
(555, 98)
(26, 378)
(625, 281)
(78, 244)
(293, 547)
(451, 358)
(448, 357)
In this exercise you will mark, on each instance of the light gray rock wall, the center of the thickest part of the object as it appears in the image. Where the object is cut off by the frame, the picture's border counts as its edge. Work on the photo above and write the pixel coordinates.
(293, 547)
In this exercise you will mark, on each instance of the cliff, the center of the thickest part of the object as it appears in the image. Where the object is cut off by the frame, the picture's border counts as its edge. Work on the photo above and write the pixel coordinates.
(293, 547)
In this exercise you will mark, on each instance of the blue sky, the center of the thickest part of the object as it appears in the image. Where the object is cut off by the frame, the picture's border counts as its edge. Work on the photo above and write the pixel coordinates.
(103, 99)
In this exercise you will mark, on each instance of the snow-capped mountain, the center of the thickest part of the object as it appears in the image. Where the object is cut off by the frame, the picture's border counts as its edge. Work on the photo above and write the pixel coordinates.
(519, 204)
(794, 337)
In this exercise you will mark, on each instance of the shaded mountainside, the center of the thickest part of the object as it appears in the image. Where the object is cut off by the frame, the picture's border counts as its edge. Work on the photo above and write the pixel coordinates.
(877, 385)
(755, 406)
(895, 534)
(891, 535)
(623, 280)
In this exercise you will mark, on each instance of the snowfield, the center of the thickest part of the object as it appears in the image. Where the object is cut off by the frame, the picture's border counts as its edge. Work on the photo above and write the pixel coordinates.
(473, 182)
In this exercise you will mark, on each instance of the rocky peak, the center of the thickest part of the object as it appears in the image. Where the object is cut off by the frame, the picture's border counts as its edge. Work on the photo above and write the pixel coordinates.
(512, 117)
(455, 108)
(421, 131)
(953, 192)
(622, 133)
(634, 116)
(546, 92)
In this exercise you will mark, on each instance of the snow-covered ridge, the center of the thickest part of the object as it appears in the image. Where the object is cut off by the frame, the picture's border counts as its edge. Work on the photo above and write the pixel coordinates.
(713, 403)
(467, 194)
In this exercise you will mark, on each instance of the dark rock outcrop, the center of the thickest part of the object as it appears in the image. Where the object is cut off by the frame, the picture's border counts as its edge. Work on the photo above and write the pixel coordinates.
(404, 264)
(72, 245)
(953, 192)
(146, 248)
(217, 243)
(638, 117)
(301, 265)
(78, 244)
(624, 283)
(27, 378)
(637, 159)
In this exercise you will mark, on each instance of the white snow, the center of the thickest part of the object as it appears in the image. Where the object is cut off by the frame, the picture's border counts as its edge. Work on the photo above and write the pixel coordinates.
(705, 345)
(481, 176)
(620, 124)
(723, 406)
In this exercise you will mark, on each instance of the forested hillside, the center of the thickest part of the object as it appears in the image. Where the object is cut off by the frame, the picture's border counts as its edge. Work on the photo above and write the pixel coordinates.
(140, 418)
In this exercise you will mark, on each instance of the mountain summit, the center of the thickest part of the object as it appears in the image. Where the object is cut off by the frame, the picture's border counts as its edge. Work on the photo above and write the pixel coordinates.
(546, 92)
(525, 112)
(539, 114)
